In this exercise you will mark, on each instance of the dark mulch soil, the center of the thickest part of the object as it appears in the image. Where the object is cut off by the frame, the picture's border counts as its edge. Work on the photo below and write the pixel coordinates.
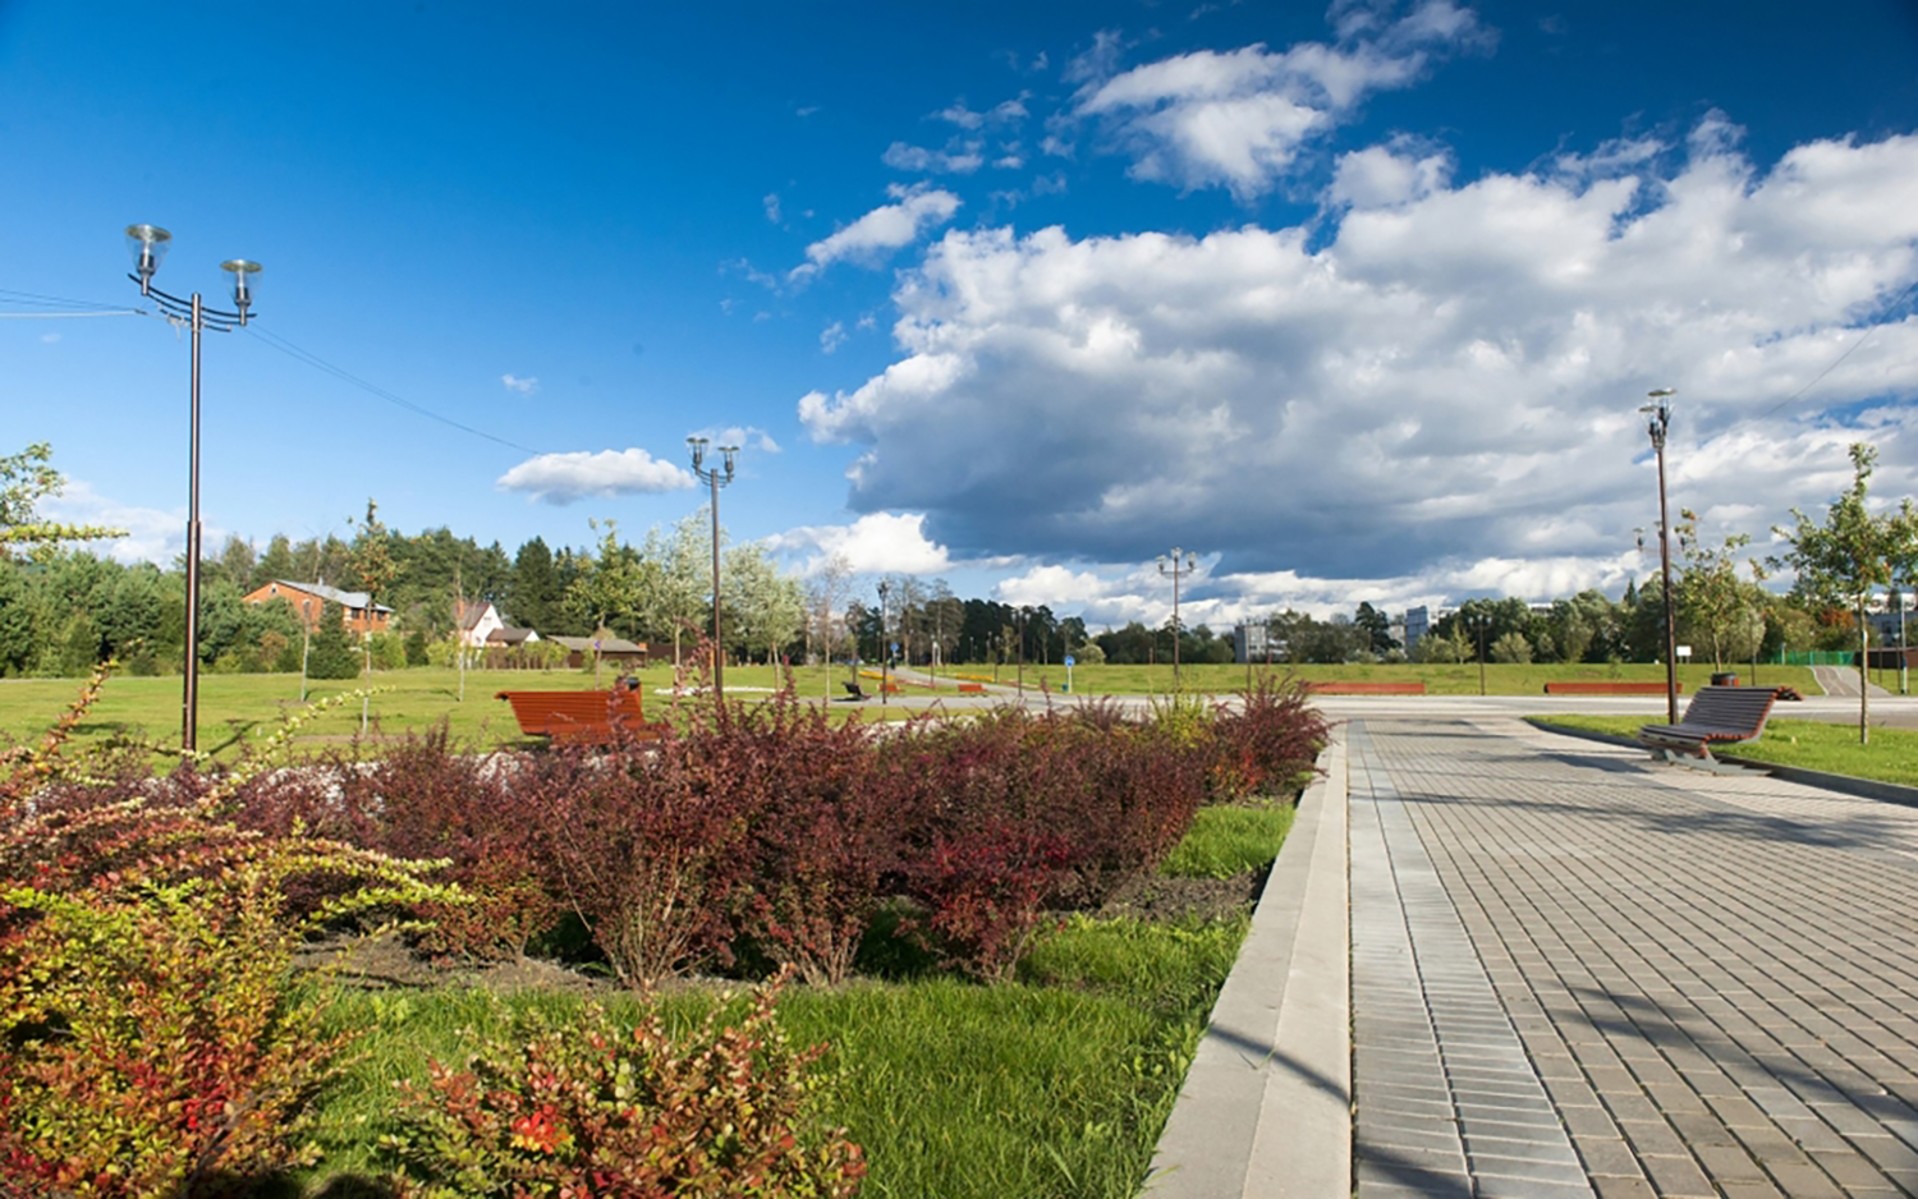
(1153, 897)
(386, 960)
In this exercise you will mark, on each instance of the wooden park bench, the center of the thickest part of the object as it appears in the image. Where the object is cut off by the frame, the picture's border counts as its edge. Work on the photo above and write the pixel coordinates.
(1607, 687)
(1716, 716)
(1353, 687)
(580, 717)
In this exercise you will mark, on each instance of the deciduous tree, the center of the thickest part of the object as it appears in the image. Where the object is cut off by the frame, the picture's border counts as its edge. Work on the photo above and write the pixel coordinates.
(1848, 556)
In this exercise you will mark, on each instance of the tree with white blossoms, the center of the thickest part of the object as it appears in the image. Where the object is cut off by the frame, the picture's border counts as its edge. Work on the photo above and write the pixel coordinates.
(763, 606)
(826, 594)
(678, 589)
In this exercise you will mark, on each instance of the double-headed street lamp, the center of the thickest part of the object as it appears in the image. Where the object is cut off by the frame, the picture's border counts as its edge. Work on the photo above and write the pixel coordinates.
(1658, 420)
(715, 478)
(1182, 564)
(148, 244)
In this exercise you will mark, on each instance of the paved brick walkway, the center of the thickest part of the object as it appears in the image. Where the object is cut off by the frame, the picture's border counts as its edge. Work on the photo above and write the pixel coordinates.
(1576, 973)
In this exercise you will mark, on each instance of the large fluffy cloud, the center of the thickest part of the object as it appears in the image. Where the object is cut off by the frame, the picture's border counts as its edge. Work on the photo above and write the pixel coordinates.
(1443, 376)
(1239, 118)
(563, 478)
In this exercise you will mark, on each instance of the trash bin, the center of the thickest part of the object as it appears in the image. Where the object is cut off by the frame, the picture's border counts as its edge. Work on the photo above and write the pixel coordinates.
(1724, 679)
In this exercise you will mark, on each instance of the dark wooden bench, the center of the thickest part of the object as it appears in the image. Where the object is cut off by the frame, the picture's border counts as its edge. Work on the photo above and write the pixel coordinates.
(1354, 687)
(855, 691)
(580, 717)
(1607, 687)
(1716, 716)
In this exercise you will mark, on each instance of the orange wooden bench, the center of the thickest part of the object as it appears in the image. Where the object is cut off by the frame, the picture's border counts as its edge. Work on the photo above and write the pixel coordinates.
(1607, 687)
(588, 717)
(972, 688)
(1353, 687)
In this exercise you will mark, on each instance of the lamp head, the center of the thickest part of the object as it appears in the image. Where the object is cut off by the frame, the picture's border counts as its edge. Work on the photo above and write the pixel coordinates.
(243, 272)
(731, 452)
(148, 245)
(699, 450)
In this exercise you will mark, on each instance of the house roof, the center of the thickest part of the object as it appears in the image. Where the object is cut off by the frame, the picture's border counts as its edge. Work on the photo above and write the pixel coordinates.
(607, 645)
(470, 613)
(506, 635)
(345, 599)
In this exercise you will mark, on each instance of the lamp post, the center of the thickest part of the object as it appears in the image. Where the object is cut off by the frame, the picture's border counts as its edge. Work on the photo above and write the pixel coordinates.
(1658, 421)
(1183, 564)
(148, 244)
(885, 650)
(715, 478)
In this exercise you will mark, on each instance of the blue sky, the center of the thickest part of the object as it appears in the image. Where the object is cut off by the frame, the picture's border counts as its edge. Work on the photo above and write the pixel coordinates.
(1356, 302)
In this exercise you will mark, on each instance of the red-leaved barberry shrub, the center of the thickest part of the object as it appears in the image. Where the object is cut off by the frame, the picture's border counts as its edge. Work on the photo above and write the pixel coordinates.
(823, 834)
(1271, 739)
(425, 800)
(583, 1107)
(649, 846)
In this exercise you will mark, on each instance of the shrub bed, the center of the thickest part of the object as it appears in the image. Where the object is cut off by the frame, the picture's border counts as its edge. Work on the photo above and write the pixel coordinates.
(742, 840)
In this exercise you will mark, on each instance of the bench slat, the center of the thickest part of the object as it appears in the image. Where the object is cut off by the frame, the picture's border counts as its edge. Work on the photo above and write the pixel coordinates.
(1715, 715)
(578, 716)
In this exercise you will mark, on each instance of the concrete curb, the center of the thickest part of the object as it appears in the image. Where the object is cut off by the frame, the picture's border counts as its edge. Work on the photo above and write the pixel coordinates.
(1844, 784)
(1266, 1108)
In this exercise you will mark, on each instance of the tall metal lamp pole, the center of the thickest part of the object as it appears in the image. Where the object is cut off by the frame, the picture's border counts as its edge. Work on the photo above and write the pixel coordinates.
(715, 478)
(1658, 421)
(1183, 563)
(885, 650)
(148, 244)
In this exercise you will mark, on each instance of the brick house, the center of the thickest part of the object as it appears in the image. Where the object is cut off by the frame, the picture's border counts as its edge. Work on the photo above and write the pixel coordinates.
(361, 614)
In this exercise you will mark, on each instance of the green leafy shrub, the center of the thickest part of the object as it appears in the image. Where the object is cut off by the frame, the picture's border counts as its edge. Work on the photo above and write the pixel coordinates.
(156, 1039)
(588, 1108)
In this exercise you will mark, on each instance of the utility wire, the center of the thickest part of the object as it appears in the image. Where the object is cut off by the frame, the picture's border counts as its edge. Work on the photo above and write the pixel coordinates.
(1839, 361)
(318, 363)
(9, 296)
(54, 316)
(95, 308)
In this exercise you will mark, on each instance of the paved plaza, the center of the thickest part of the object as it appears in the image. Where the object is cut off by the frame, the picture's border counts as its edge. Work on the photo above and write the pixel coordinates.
(1575, 972)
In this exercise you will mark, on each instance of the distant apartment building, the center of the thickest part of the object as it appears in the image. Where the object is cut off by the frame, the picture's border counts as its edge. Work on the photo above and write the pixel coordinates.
(1255, 643)
(1418, 622)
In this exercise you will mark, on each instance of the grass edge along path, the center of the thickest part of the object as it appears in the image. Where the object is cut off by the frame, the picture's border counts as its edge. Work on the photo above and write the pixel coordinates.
(1892, 756)
(1057, 1084)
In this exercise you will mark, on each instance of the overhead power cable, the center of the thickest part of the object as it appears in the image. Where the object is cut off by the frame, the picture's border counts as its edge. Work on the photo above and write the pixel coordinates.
(61, 306)
(318, 363)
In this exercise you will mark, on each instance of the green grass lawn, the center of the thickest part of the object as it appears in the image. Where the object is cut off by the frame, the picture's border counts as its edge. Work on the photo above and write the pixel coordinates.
(1056, 1084)
(236, 707)
(1892, 756)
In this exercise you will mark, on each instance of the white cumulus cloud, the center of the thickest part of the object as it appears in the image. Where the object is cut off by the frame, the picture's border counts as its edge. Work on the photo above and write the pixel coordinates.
(1239, 118)
(876, 543)
(881, 231)
(564, 478)
(525, 386)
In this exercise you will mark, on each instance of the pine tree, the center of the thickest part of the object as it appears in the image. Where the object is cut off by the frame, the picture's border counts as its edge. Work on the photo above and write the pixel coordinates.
(332, 654)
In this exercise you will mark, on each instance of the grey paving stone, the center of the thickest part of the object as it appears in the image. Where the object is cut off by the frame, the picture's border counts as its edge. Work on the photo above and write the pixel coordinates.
(1571, 930)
